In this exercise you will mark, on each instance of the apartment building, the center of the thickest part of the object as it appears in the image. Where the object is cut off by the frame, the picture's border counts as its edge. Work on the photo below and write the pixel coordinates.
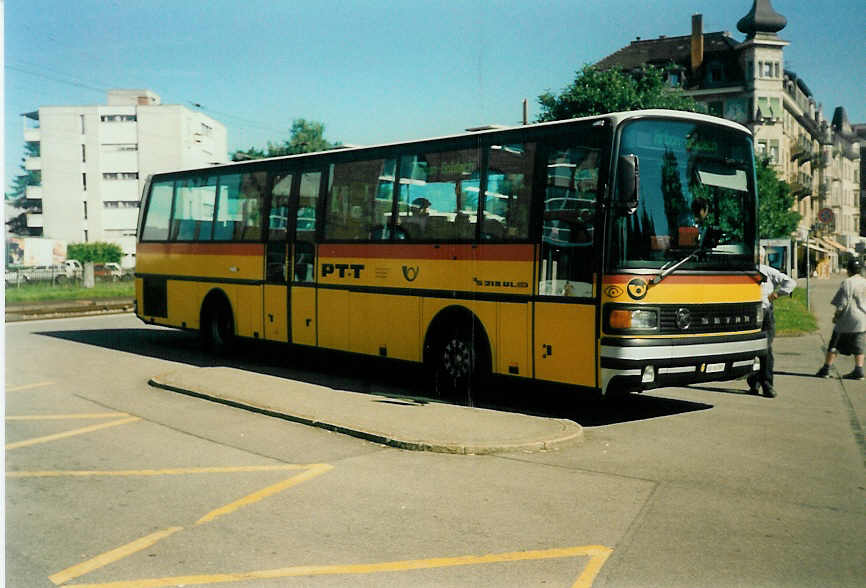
(93, 162)
(748, 82)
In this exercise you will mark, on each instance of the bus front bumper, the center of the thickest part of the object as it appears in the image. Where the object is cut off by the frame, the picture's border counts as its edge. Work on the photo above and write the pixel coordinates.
(638, 364)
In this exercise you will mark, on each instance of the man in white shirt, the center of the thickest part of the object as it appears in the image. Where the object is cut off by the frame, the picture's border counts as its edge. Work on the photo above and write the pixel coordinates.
(775, 284)
(849, 331)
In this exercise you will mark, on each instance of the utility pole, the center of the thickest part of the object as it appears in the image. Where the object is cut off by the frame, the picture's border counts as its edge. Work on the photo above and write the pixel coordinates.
(525, 112)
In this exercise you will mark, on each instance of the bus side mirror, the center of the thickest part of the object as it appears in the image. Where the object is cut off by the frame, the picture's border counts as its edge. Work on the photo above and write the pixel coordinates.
(628, 183)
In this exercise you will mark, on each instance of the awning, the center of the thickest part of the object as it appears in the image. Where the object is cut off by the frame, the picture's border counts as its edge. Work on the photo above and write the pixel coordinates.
(838, 245)
(817, 245)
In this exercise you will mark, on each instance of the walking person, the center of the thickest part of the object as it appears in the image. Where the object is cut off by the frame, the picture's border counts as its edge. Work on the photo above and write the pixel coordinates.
(849, 330)
(775, 284)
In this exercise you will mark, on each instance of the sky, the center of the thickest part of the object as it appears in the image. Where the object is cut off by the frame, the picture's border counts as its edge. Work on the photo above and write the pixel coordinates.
(374, 71)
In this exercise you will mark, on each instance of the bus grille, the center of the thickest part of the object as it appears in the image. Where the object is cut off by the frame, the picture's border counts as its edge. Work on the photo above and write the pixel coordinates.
(710, 318)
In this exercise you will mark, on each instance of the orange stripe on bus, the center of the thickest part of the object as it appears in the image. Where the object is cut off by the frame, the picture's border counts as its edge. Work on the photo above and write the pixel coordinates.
(499, 252)
(201, 248)
(686, 279)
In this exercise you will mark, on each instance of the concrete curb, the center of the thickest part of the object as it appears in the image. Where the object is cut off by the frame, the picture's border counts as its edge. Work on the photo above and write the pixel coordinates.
(557, 432)
(16, 312)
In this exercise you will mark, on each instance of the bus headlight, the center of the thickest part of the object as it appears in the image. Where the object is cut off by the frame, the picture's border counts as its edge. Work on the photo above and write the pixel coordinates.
(760, 319)
(633, 319)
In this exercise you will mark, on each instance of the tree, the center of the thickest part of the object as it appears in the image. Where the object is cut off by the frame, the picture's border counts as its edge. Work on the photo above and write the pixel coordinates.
(304, 137)
(17, 196)
(97, 251)
(776, 219)
(595, 91)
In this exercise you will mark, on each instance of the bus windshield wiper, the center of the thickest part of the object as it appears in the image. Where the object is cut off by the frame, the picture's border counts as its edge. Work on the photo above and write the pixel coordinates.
(708, 243)
(668, 269)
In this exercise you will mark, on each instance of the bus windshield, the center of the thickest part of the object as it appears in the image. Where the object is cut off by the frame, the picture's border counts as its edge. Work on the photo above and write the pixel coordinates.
(696, 180)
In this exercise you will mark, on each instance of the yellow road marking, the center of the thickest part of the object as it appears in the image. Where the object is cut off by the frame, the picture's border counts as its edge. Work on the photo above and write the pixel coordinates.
(162, 472)
(28, 386)
(311, 472)
(111, 556)
(71, 433)
(63, 417)
(597, 554)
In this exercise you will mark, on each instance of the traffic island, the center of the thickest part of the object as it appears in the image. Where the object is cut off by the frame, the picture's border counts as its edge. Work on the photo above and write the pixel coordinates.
(403, 422)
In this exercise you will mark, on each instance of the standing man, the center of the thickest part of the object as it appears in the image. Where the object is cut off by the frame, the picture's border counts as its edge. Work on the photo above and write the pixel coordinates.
(775, 284)
(849, 332)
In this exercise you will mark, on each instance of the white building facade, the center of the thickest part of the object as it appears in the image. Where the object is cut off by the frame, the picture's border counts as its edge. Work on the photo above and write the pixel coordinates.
(95, 160)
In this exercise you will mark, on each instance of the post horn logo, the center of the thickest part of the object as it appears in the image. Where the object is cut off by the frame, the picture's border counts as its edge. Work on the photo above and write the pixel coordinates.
(410, 273)
(636, 288)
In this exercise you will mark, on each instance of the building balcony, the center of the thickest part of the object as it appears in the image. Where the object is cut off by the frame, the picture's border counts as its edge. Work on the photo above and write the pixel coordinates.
(800, 191)
(33, 163)
(33, 193)
(32, 135)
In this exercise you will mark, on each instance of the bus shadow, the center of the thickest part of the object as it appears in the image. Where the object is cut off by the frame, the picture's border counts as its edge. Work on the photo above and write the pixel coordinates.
(399, 382)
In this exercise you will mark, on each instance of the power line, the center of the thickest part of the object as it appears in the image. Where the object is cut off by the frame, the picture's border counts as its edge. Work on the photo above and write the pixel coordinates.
(71, 81)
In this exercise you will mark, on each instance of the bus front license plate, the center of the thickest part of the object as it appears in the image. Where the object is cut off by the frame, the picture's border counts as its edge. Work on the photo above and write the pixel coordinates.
(713, 368)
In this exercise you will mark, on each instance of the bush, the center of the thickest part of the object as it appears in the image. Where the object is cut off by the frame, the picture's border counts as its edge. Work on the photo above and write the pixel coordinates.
(97, 252)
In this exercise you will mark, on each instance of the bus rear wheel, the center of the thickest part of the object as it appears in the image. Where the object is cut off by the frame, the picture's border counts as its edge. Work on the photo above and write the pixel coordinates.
(458, 365)
(217, 329)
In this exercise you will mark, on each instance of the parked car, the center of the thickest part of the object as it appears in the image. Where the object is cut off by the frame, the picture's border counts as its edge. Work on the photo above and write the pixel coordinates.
(108, 272)
(68, 271)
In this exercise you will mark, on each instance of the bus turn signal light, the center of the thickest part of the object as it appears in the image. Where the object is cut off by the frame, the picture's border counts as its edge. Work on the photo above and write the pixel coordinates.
(620, 319)
(633, 319)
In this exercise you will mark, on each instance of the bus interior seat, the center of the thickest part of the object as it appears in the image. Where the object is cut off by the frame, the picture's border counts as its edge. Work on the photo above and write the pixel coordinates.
(492, 229)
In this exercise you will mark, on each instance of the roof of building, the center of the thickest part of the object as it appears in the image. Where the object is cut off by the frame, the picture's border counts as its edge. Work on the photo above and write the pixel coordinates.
(666, 50)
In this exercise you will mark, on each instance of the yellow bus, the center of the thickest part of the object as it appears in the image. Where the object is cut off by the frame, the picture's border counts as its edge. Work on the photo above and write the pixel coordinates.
(614, 254)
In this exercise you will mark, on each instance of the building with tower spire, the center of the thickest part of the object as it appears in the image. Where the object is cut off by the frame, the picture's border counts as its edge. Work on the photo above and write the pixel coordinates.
(747, 81)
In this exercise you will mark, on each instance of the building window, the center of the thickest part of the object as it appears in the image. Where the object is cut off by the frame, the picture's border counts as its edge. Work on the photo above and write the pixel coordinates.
(82, 124)
(766, 69)
(119, 147)
(716, 108)
(84, 181)
(120, 176)
(120, 204)
(118, 118)
(83, 154)
(762, 149)
(674, 79)
(776, 69)
(85, 210)
(774, 151)
(717, 74)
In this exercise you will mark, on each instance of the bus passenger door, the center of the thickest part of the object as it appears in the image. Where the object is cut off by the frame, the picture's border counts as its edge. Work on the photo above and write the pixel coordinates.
(565, 307)
(276, 294)
(565, 312)
(303, 256)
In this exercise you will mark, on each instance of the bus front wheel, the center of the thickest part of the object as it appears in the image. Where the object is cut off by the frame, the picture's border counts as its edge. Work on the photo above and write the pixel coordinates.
(217, 329)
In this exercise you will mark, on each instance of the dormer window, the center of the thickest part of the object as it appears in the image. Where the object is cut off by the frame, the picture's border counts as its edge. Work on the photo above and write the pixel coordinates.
(717, 74)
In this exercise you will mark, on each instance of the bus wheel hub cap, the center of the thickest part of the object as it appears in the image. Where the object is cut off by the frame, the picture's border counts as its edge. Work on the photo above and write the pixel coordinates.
(456, 358)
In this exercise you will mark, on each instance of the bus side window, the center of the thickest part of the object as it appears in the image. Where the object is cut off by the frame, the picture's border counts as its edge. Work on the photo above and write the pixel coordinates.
(360, 200)
(158, 211)
(239, 207)
(193, 209)
(568, 232)
(509, 191)
(277, 225)
(305, 227)
(438, 195)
